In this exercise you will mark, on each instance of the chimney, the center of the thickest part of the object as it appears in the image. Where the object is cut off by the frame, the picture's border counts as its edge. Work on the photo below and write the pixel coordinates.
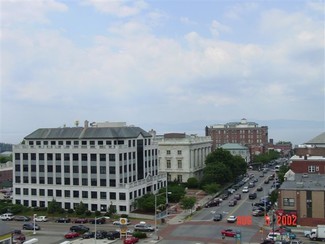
(86, 123)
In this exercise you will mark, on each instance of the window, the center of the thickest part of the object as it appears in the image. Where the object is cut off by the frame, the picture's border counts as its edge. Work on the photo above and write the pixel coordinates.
(49, 156)
(41, 168)
(84, 169)
(93, 169)
(66, 168)
(93, 194)
(58, 156)
(122, 196)
(168, 164)
(112, 169)
(84, 194)
(84, 157)
(102, 157)
(50, 193)
(49, 168)
(122, 208)
(179, 152)
(67, 181)
(33, 168)
(75, 157)
(93, 182)
(17, 168)
(41, 180)
(25, 191)
(66, 157)
(93, 157)
(58, 180)
(112, 157)
(289, 202)
(102, 169)
(311, 168)
(58, 193)
(17, 191)
(58, 168)
(67, 193)
(102, 195)
(50, 180)
(41, 192)
(75, 181)
(179, 164)
(102, 182)
(34, 192)
(33, 179)
(112, 195)
(179, 178)
(33, 156)
(75, 194)
(168, 152)
(84, 181)
(112, 183)
(75, 169)
(17, 156)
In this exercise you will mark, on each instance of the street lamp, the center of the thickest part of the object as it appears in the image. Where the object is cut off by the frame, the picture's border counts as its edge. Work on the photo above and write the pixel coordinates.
(167, 193)
(34, 232)
(104, 217)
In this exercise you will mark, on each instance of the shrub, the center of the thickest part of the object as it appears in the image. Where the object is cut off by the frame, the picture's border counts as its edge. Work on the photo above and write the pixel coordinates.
(140, 235)
(87, 213)
(124, 216)
(70, 211)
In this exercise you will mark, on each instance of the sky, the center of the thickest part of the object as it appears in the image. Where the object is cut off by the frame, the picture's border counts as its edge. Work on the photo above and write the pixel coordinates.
(167, 65)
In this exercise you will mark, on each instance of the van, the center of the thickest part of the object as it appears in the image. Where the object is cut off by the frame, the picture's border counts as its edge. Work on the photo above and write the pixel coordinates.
(6, 216)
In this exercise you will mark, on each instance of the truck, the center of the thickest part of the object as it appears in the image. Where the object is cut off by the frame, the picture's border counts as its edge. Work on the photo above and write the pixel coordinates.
(318, 234)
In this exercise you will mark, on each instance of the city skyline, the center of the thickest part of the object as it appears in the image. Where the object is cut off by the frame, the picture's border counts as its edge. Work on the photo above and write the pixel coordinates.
(167, 66)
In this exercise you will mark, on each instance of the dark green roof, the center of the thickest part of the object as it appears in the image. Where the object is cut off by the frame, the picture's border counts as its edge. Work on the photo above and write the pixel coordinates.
(87, 133)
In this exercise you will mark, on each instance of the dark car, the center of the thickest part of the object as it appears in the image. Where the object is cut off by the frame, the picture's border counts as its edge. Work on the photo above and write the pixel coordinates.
(101, 234)
(252, 195)
(112, 235)
(98, 221)
(18, 237)
(237, 196)
(232, 202)
(224, 196)
(267, 242)
(214, 202)
(30, 226)
(260, 188)
(217, 217)
(79, 228)
(88, 235)
(21, 218)
(63, 220)
(266, 181)
(80, 221)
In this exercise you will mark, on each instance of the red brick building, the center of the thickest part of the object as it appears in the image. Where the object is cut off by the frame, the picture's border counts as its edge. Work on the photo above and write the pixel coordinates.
(243, 132)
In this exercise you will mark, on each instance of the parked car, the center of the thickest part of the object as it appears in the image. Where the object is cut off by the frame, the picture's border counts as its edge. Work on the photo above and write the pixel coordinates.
(112, 235)
(71, 235)
(41, 219)
(80, 221)
(7, 216)
(101, 234)
(214, 202)
(266, 181)
(130, 240)
(231, 190)
(79, 228)
(30, 226)
(18, 237)
(21, 218)
(142, 226)
(88, 235)
(252, 195)
(217, 217)
(267, 242)
(231, 219)
(224, 196)
(98, 221)
(63, 220)
(228, 232)
(251, 184)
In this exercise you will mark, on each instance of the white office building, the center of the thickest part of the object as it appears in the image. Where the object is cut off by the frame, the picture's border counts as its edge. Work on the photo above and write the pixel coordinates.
(237, 150)
(182, 156)
(100, 165)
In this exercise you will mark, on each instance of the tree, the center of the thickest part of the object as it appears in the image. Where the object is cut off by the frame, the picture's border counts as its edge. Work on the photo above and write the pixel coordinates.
(146, 203)
(216, 173)
(211, 188)
(80, 209)
(282, 171)
(54, 207)
(192, 182)
(177, 192)
(188, 203)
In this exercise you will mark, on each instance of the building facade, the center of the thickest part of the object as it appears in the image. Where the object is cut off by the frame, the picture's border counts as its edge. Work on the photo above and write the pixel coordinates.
(101, 165)
(237, 150)
(243, 132)
(183, 156)
(304, 195)
(303, 190)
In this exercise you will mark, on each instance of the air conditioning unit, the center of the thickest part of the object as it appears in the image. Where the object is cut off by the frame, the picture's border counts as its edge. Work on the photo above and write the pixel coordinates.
(317, 168)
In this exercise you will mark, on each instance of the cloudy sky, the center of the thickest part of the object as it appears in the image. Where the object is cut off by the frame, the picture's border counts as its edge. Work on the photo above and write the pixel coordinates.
(172, 66)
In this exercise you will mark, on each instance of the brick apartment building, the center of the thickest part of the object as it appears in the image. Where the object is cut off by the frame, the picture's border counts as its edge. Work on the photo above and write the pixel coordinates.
(245, 133)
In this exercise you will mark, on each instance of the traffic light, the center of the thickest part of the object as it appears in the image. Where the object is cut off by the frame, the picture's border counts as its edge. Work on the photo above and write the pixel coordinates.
(267, 220)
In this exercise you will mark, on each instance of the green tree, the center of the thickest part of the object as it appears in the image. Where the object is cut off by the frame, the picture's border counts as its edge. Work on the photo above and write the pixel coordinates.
(282, 171)
(5, 159)
(188, 202)
(274, 196)
(216, 173)
(54, 207)
(80, 209)
(177, 192)
(211, 188)
(146, 203)
(192, 182)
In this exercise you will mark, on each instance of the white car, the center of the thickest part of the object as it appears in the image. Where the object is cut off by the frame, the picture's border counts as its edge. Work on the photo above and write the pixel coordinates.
(273, 236)
(231, 219)
(245, 189)
(6, 216)
(41, 219)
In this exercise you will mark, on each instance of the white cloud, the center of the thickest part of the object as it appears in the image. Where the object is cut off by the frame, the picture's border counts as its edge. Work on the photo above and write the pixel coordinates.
(17, 11)
(238, 9)
(120, 8)
(216, 28)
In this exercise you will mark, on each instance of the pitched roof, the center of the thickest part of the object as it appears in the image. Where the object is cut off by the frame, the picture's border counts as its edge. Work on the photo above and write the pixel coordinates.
(87, 133)
(320, 139)
(234, 146)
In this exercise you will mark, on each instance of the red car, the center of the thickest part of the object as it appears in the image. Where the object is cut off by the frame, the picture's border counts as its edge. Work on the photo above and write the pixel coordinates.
(228, 232)
(71, 235)
(130, 240)
(80, 221)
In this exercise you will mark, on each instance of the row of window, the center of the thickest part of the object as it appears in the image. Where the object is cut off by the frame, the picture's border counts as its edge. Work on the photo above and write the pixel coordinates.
(169, 164)
(313, 169)
(87, 142)
(69, 205)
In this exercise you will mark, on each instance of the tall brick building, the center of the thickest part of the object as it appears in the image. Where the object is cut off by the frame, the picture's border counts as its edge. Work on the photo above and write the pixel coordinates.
(245, 133)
